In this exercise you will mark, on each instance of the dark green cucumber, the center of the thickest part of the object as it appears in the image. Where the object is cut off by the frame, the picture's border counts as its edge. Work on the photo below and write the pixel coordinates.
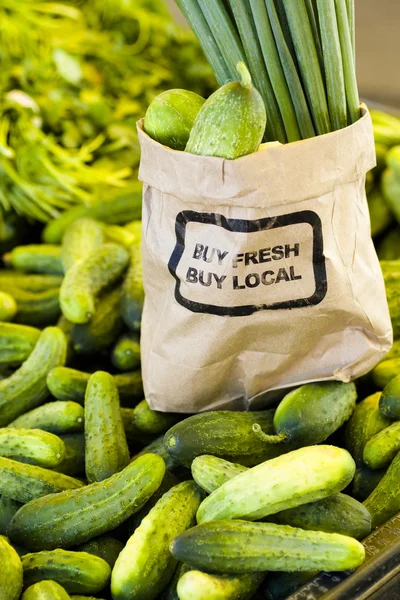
(145, 566)
(74, 458)
(365, 481)
(78, 572)
(8, 508)
(23, 482)
(366, 421)
(210, 472)
(226, 434)
(106, 547)
(30, 283)
(131, 431)
(204, 586)
(381, 449)
(389, 404)
(152, 422)
(278, 484)
(385, 371)
(103, 328)
(26, 388)
(170, 117)
(16, 343)
(384, 502)
(39, 447)
(106, 450)
(132, 291)
(10, 572)
(336, 514)
(85, 280)
(313, 412)
(125, 355)
(279, 586)
(80, 238)
(171, 592)
(73, 517)
(232, 122)
(36, 308)
(240, 547)
(55, 417)
(8, 307)
(45, 590)
(36, 258)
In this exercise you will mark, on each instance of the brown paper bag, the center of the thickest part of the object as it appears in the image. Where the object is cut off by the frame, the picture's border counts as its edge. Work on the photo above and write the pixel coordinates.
(260, 273)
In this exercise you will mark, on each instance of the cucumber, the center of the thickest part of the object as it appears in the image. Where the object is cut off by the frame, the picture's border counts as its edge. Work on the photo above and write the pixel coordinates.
(45, 590)
(381, 449)
(240, 547)
(77, 572)
(232, 121)
(8, 508)
(105, 547)
(170, 117)
(36, 258)
(119, 235)
(116, 209)
(390, 186)
(157, 447)
(125, 355)
(26, 388)
(80, 238)
(40, 447)
(379, 212)
(74, 517)
(145, 566)
(16, 343)
(365, 481)
(102, 330)
(74, 458)
(24, 482)
(279, 586)
(153, 422)
(10, 572)
(385, 371)
(226, 434)
(384, 502)
(85, 280)
(311, 413)
(30, 283)
(106, 450)
(132, 434)
(366, 421)
(132, 291)
(389, 404)
(8, 307)
(195, 585)
(171, 592)
(38, 309)
(70, 384)
(210, 472)
(336, 514)
(55, 417)
(278, 484)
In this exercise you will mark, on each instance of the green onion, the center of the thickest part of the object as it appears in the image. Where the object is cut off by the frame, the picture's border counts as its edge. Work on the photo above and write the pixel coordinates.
(274, 68)
(307, 57)
(198, 23)
(351, 10)
(353, 100)
(285, 27)
(292, 77)
(312, 11)
(247, 30)
(333, 63)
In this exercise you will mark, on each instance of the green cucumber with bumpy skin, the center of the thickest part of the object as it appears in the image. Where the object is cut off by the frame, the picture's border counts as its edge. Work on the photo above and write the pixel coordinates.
(106, 448)
(8, 307)
(16, 343)
(105, 547)
(28, 282)
(36, 258)
(23, 482)
(55, 417)
(210, 472)
(45, 590)
(240, 547)
(231, 123)
(145, 566)
(132, 291)
(381, 449)
(26, 388)
(11, 571)
(8, 508)
(73, 463)
(125, 355)
(40, 447)
(278, 484)
(74, 517)
(78, 572)
(389, 404)
(157, 446)
(365, 481)
(36, 308)
(85, 280)
(385, 371)
(384, 502)
(80, 238)
(152, 422)
(195, 585)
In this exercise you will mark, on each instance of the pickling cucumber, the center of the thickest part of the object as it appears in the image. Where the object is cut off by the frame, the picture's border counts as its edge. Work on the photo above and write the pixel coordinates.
(389, 404)
(232, 122)
(365, 481)
(8, 508)
(106, 450)
(10, 572)
(152, 422)
(24, 482)
(381, 449)
(195, 585)
(80, 238)
(366, 421)
(36, 258)
(45, 590)
(170, 117)
(106, 547)
(125, 355)
(384, 502)
(77, 572)
(55, 417)
(8, 307)
(210, 472)
(85, 280)
(385, 371)
(240, 547)
(74, 458)
(119, 235)
(36, 308)
(278, 484)
(26, 388)
(132, 291)
(157, 447)
(145, 566)
(28, 282)
(16, 343)
(40, 447)
(76, 516)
